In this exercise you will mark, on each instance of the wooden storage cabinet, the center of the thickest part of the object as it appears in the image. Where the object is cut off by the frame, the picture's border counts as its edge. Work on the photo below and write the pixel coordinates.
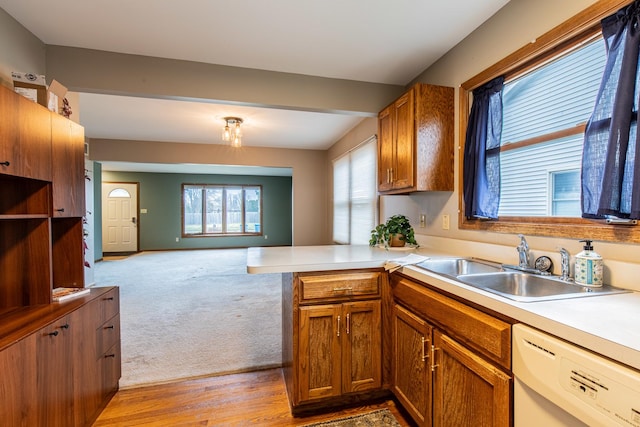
(415, 141)
(67, 153)
(437, 378)
(335, 349)
(55, 374)
(25, 137)
(42, 205)
(55, 369)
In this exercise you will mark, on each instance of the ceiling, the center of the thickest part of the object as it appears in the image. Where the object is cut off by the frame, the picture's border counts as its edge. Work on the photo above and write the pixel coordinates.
(366, 40)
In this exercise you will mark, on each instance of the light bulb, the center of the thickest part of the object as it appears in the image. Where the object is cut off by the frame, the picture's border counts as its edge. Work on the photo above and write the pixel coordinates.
(226, 134)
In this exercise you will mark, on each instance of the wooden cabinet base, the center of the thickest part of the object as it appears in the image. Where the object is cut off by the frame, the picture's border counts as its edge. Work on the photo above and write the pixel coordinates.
(340, 402)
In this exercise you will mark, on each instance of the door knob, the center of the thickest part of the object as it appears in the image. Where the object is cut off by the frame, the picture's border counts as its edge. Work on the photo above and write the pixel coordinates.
(133, 220)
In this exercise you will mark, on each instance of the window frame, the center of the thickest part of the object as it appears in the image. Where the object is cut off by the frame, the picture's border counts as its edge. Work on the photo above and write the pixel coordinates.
(223, 233)
(572, 33)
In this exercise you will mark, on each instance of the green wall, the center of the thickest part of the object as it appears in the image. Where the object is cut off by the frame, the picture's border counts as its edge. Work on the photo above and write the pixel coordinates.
(160, 194)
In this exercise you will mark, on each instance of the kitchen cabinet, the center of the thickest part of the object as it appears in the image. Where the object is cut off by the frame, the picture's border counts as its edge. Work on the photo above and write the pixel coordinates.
(339, 349)
(415, 141)
(334, 352)
(451, 362)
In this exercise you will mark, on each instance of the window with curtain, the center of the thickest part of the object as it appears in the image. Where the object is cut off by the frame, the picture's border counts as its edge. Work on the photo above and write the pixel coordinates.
(355, 197)
(550, 89)
(611, 157)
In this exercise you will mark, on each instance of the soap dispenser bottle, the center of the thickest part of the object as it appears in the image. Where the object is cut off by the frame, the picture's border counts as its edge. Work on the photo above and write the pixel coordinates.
(589, 266)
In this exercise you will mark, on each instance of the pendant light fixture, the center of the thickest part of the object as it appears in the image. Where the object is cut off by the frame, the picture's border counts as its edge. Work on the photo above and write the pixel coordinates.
(232, 132)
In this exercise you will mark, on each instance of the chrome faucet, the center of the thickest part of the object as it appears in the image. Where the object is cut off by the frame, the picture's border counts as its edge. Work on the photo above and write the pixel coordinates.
(564, 265)
(523, 252)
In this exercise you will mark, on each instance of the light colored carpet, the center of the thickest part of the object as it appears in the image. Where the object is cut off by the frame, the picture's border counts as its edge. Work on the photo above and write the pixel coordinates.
(193, 313)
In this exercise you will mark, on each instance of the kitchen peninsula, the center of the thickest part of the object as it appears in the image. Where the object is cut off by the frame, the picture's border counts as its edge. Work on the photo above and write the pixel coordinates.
(603, 324)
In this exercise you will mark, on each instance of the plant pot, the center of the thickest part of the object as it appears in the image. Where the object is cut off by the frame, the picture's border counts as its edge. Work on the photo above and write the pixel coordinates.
(397, 240)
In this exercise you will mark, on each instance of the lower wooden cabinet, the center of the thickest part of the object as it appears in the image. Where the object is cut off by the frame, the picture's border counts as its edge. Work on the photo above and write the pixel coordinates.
(411, 367)
(339, 349)
(332, 344)
(60, 362)
(440, 375)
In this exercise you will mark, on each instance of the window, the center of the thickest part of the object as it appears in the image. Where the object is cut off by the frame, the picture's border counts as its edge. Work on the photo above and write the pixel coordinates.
(355, 195)
(543, 130)
(565, 193)
(214, 210)
(544, 113)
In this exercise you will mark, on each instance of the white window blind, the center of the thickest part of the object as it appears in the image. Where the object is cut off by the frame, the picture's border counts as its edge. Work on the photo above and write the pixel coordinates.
(355, 195)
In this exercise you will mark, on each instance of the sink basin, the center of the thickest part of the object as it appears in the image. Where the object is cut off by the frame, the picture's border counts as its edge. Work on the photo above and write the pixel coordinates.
(526, 287)
(454, 267)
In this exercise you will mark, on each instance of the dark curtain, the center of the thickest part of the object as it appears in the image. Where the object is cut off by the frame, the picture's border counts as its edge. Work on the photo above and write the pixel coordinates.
(481, 171)
(611, 155)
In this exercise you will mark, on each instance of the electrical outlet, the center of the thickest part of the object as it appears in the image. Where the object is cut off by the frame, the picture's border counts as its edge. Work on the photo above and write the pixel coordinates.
(423, 220)
(177, 239)
(266, 237)
(445, 222)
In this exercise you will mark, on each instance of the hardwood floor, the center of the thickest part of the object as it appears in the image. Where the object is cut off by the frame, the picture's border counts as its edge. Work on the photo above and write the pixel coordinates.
(247, 399)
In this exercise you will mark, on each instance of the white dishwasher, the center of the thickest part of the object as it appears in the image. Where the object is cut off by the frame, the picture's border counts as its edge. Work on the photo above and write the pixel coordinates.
(560, 384)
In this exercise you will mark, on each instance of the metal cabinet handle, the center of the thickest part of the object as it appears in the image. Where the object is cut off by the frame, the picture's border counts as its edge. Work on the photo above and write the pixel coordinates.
(425, 355)
(60, 210)
(54, 334)
(65, 326)
(109, 355)
(345, 289)
(338, 334)
(434, 365)
(109, 327)
(5, 163)
(348, 322)
(108, 299)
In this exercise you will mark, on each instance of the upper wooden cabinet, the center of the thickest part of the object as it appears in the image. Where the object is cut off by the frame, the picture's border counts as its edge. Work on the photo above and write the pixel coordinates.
(67, 154)
(415, 141)
(25, 137)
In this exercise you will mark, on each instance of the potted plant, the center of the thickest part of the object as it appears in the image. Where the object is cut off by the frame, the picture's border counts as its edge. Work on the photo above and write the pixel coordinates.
(396, 232)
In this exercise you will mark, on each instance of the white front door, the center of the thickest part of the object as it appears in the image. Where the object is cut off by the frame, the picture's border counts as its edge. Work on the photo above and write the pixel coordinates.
(119, 217)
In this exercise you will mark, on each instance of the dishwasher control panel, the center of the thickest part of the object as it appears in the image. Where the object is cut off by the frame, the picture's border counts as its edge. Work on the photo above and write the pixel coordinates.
(590, 387)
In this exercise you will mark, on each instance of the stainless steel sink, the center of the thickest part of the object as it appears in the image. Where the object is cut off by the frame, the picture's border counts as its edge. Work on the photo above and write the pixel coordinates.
(454, 267)
(525, 287)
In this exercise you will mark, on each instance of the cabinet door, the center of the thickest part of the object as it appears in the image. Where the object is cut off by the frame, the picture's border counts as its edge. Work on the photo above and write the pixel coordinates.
(386, 148)
(67, 142)
(468, 391)
(403, 170)
(86, 369)
(55, 374)
(18, 383)
(34, 141)
(361, 350)
(411, 365)
(9, 160)
(319, 351)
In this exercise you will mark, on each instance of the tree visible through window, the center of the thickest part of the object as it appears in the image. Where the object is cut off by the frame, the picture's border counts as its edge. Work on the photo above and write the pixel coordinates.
(212, 210)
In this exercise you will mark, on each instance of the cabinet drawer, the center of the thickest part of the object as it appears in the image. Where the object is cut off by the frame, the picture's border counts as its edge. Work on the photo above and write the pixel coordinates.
(110, 304)
(108, 334)
(314, 287)
(478, 330)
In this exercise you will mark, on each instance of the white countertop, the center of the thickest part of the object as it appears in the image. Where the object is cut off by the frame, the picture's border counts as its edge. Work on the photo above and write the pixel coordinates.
(609, 325)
